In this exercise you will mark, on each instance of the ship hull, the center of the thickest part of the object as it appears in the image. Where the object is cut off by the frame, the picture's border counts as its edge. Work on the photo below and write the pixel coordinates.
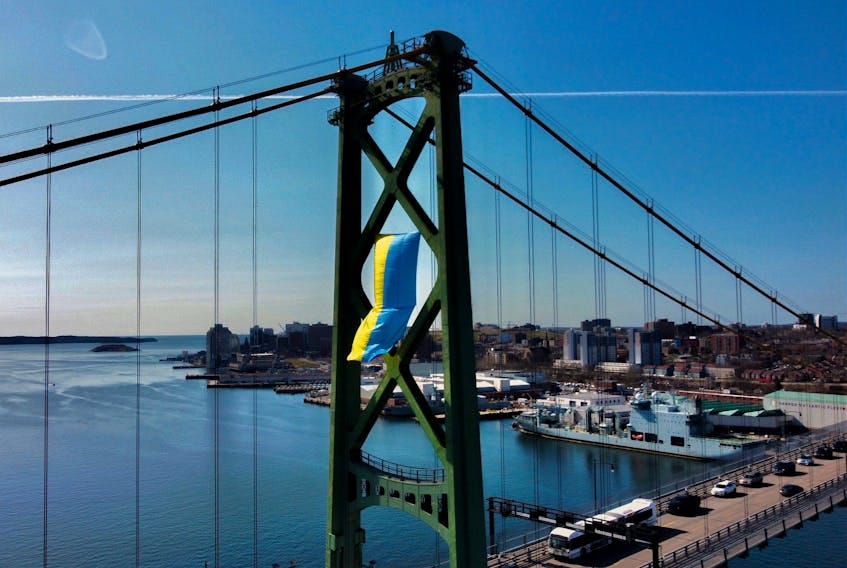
(695, 448)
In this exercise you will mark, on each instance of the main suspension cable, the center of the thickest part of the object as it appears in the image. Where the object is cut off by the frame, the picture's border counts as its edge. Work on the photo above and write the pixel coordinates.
(641, 203)
(167, 138)
(216, 107)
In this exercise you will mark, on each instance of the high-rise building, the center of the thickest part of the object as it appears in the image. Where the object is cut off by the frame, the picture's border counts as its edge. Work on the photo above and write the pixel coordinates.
(666, 328)
(262, 339)
(319, 339)
(645, 347)
(219, 350)
(829, 323)
(589, 348)
(255, 337)
(596, 325)
(724, 343)
(806, 319)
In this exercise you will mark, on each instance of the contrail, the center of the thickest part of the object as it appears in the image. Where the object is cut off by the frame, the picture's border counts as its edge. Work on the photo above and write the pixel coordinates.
(130, 98)
(542, 94)
(749, 93)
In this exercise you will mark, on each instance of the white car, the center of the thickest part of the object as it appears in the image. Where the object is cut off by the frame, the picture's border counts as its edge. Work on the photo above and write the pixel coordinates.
(723, 488)
(805, 459)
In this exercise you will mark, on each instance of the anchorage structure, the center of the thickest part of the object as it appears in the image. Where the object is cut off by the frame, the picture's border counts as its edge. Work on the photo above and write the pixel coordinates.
(448, 499)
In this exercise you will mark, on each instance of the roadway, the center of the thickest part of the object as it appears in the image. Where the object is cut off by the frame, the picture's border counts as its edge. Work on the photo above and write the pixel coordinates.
(717, 516)
(718, 513)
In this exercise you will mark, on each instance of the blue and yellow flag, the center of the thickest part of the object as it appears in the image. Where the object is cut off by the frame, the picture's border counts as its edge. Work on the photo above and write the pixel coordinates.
(395, 272)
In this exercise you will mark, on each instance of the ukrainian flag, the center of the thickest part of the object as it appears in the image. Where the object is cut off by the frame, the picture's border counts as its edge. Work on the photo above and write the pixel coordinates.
(395, 272)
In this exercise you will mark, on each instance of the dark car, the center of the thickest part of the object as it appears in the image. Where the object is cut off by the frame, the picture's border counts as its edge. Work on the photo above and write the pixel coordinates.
(750, 478)
(684, 504)
(783, 468)
(789, 490)
(824, 452)
(840, 446)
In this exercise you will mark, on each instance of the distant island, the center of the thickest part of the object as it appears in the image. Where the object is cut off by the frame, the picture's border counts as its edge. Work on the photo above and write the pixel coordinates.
(41, 340)
(112, 347)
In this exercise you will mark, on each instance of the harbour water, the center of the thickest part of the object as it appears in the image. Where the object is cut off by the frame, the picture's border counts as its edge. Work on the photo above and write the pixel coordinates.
(91, 464)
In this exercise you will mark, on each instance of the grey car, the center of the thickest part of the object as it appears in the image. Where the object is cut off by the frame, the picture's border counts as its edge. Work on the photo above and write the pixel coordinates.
(750, 478)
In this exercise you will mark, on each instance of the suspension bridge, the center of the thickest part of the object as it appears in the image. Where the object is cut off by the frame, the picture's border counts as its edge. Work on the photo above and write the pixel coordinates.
(401, 165)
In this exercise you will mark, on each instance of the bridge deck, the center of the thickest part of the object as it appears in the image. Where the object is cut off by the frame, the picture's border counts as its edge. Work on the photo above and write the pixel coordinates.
(762, 506)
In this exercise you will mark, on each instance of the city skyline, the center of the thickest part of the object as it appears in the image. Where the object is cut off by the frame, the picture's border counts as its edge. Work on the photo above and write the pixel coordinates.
(735, 123)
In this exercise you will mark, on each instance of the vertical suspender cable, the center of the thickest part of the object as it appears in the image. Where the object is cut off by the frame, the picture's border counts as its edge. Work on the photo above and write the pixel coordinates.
(595, 233)
(216, 397)
(432, 272)
(217, 197)
(499, 259)
(255, 217)
(433, 207)
(555, 269)
(650, 293)
(530, 225)
(47, 243)
(138, 236)
(530, 237)
(698, 275)
(255, 323)
(602, 263)
(499, 353)
(738, 296)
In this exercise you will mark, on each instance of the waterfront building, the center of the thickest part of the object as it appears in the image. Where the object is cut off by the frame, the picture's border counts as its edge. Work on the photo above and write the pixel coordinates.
(813, 410)
(219, 347)
(583, 398)
(312, 339)
(252, 362)
(492, 387)
(319, 339)
(262, 339)
(616, 368)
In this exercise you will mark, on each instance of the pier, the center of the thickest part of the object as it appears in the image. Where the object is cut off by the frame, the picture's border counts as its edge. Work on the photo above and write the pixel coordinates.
(724, 527)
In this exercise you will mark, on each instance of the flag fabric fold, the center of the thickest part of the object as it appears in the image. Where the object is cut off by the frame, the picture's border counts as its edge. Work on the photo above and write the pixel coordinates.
(395, 272)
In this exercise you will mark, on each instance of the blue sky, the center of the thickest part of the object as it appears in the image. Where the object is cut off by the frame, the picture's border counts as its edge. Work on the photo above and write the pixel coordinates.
(732, 116)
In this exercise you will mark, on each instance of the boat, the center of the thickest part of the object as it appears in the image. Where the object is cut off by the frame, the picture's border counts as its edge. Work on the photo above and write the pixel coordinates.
(652, 421)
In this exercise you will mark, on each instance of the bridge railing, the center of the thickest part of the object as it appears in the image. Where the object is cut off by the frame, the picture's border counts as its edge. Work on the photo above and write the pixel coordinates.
(522, 551)
(760, 520)
(404, 472)
(734, 470)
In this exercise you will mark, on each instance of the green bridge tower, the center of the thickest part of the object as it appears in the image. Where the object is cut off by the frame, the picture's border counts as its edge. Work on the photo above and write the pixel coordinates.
(448, 499)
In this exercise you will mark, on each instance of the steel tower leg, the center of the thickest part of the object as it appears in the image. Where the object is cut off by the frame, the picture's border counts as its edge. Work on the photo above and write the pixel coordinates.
(344, 533)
